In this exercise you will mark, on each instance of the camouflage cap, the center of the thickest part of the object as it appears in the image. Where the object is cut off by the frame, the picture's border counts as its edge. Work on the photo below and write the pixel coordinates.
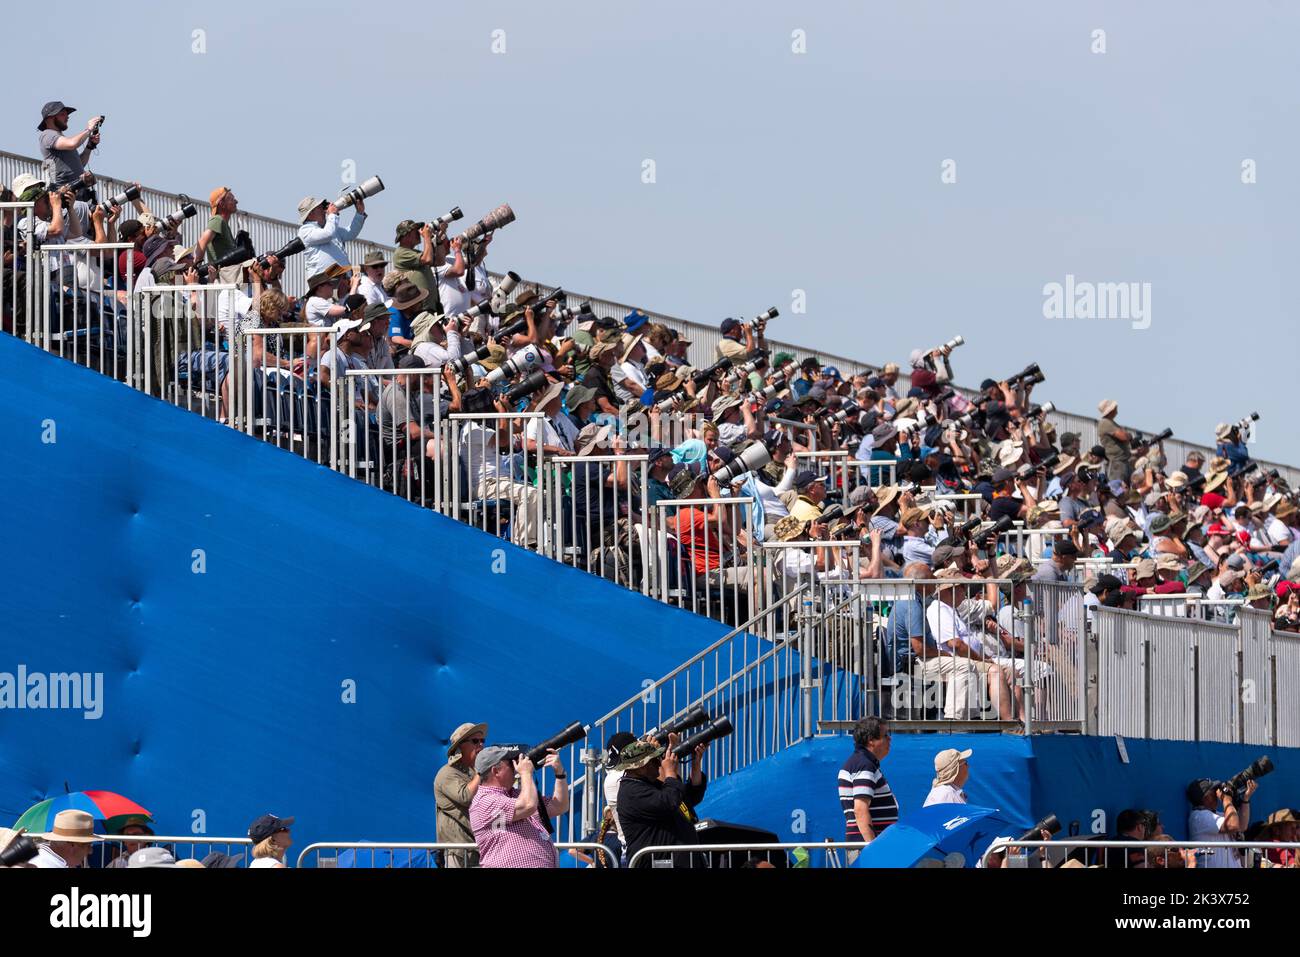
(638, 754)
(404, 227)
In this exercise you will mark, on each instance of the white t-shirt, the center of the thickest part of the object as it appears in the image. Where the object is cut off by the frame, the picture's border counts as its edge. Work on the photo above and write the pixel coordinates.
(456, 298)
(946, 625)
(729, 433)
(479, 452)
(627, 370)
(265, 862)
(232, 303)
(372, 290)
(612, 780)
(318, 311)
(945, 794)
(559, 432)
(1203, 825)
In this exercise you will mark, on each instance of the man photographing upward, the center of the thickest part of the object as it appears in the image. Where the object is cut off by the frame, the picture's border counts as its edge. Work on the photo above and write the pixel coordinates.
(655, 808)
(61, 164)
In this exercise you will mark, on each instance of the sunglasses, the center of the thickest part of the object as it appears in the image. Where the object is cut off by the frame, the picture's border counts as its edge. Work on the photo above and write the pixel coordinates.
(475, 740)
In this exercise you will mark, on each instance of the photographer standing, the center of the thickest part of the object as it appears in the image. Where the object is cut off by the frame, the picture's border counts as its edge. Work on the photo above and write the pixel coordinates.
(655, 808)
(321, 233)
(61, 164)
(1226, 824)
(505, 818)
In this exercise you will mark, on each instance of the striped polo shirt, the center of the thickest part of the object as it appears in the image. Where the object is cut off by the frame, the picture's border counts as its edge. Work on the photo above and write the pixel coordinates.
(861, 777)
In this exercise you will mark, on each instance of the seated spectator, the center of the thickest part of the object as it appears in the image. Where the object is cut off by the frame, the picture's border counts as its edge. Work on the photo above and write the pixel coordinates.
(67, 843)
(321, 308)
(372, 279)
(953, 637)
(271, 838)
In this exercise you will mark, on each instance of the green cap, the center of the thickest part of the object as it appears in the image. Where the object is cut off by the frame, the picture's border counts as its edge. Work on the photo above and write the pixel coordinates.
(637, 754)
(406, 226)
(580, 394)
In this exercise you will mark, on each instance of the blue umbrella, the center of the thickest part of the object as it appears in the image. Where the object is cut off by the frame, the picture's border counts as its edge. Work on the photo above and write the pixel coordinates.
(934, 832)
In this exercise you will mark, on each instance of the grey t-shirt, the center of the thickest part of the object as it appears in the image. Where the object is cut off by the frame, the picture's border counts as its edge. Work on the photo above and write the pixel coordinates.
(397, 407)
(59, 166)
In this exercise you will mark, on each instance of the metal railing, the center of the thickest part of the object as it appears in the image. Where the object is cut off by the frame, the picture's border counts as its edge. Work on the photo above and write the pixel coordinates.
(269, 234)
(399, 445)
(1124, 855)
(394, 854)
(111, 847)
(81, 313)
(596, 519)
(704, 555)
(282, 396)
(495, 482)
(736, 856)
(1194, 680)
(16, 262)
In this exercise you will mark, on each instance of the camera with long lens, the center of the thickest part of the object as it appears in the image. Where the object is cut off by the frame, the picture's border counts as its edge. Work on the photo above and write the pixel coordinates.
(465, 362)
(503, 289)
(570, 735)
(128, 195)
(754, 362)
(751, 460)
(447, 218)
(518, 364)
(503, 215)
(174, 220)
(581, 314)
(952, 343)
(717, 728)
(1050, 824)
(691, 719)
(1029, 468)
(1047, 408)
(1030, 375)
(849, 410)
(1247, 424)
(242, 252)
(1000, 527)
(771, 388)
(20, 850)
(520, 325)
(704, 375)
(292, 248)
(367, 189)
(1257, 769)
(1139, 440)
(764, 318)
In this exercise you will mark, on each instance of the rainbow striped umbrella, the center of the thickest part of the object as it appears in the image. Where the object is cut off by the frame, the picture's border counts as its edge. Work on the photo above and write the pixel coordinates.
(102, 805)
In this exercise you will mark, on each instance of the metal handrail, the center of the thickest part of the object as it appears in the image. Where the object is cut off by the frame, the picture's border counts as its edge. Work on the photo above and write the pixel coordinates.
(709, 848)
(437, 846)
(699, 656)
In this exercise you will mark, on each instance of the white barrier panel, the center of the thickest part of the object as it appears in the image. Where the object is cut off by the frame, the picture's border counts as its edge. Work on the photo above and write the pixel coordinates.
(184, 355)
(738, 856)
(115, 850)
(391, 433)
(83, 314)
(834, 465)
(704, 556)
(495, 484)
(386, 854)
(873, 473)
(1123, 855)
(1030, 543)
(596, 520)
(283, 397)
(16, 265)
(965, 505)
(1285, 654)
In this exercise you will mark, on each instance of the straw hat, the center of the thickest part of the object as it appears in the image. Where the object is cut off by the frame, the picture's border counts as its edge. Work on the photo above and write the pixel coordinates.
(629, 343)
(1107, 407)
(788, 529)
(460, 734)
(886, 497)
(72, 827)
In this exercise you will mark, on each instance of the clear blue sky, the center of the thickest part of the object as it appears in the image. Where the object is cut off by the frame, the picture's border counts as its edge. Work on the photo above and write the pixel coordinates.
(779, 171)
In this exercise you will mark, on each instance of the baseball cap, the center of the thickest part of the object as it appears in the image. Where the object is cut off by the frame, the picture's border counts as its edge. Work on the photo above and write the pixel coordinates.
(266, 825)
(153, 857)
(1106, 582)
(806, 478)
(1002, 475)
(1197, 790)
(490, 757)
(729, 324)
(634, 320)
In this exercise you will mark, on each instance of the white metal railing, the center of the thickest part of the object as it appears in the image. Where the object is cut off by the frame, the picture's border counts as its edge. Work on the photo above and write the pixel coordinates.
(281, 395)
(419, 854)
(704, 555)
(183, 354)
(495, 483)
(16, 265)
(1195, 680)
(394, 434)
(113, 847)
(1115, 855)
(736, 856)
(81, 314)
(596, 517)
